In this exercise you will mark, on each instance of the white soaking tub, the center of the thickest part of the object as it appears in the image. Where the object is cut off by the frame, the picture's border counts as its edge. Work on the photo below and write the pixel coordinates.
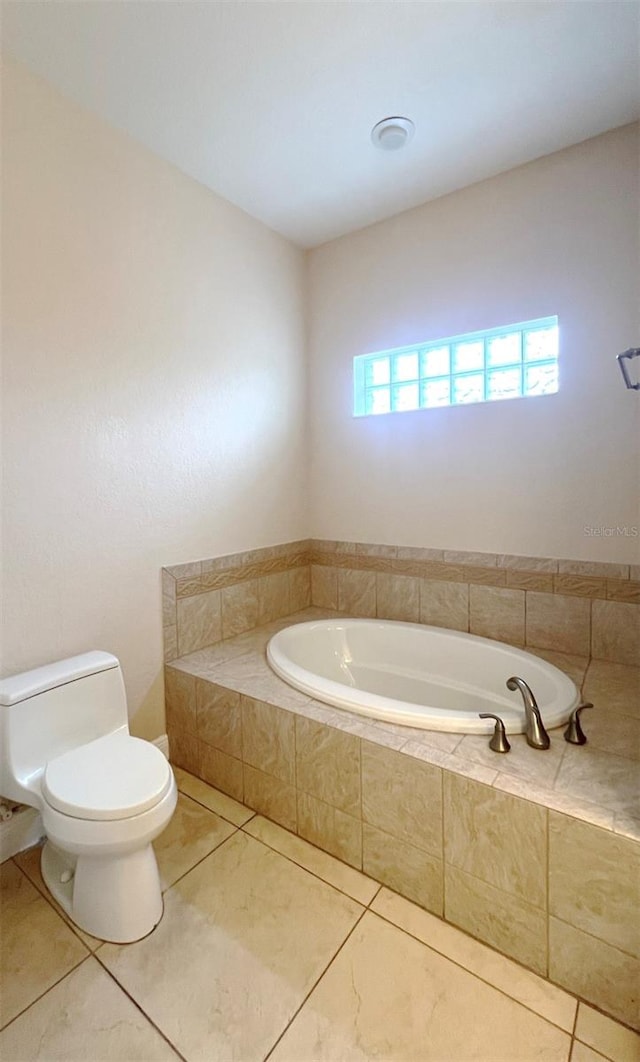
(419, 676)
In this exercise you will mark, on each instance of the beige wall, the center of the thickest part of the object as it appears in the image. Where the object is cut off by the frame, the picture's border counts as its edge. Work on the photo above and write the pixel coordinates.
(153, 387)
(558, 236)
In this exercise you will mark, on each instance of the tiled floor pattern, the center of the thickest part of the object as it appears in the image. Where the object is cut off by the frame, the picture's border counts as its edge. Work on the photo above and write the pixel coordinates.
(270, 948)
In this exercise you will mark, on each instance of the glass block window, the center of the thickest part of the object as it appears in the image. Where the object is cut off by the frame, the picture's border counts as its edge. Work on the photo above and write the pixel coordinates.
(516, 361)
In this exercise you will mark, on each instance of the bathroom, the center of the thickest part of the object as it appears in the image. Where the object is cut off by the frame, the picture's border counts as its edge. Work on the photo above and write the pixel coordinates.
(178, 344)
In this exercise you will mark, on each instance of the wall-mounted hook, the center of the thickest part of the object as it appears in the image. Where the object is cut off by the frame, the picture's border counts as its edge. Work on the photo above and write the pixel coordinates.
(627, 355)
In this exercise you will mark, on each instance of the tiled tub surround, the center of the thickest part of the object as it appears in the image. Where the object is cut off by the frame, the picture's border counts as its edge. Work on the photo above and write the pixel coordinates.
(587, 608)
(536, 853)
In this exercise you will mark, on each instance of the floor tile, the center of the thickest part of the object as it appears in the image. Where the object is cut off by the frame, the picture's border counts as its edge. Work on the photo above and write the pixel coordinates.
(581, 1053)
(605, 1035)
(534, 992)
(29, 861)
(36, 949)
(356, 885)
(86, 1016)
(192, 833)
(387, 996)
(244, 937)
(224, 806)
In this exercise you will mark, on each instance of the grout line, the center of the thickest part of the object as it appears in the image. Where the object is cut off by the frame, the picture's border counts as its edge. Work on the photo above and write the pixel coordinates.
(313, 873)
(315, 984)
(199, 861)
(206, 806)
(48, 989)
(471, 973)
(139, 1007)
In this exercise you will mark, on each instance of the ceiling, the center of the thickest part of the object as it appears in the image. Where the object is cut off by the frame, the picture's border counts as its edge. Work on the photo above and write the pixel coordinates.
(271, 104)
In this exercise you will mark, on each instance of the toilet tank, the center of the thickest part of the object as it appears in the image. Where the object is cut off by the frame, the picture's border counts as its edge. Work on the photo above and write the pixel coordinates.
(53, 709)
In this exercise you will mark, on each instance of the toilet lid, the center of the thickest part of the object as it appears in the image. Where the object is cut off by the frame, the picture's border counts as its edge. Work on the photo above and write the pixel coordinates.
(114, 777)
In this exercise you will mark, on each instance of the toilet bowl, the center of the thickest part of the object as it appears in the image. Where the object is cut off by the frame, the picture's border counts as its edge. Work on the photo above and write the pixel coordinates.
(103, 795)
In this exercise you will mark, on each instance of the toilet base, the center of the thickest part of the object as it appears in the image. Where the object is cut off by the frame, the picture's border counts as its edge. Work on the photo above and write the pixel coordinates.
(115, 898)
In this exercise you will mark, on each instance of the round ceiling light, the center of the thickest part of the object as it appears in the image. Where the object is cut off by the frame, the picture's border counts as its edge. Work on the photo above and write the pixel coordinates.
(392, 133)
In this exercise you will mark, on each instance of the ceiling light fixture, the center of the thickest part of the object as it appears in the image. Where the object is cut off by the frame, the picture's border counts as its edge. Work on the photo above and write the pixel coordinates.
(392, 133)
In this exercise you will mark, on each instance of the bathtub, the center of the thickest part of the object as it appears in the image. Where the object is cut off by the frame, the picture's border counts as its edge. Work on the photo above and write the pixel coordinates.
(419, 676)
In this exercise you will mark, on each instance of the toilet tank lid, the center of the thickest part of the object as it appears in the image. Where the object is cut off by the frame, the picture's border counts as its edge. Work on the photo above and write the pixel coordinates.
(30, 683)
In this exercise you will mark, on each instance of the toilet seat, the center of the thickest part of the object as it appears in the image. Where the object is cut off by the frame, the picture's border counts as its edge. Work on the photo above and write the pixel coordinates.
(114, 777)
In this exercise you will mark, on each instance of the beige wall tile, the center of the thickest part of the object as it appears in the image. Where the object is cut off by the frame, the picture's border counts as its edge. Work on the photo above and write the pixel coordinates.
(588, 774)
(542, 581)
(408, 870)
(594, 970)
(199, 621)
(480, 560)
(444, 604)
(170, 643)
(601, 568)
(402, 796)
(624, 590)
(330, 829)
(558, 622)
(324, 586)
(273, 597)
(328, 765)
(268, 738)
(613, 686)
(270, 796)
(222, 771)
(580, 585)
(184, 750)
(397, 597)
(239, 608)
(496, 837)
(606, 1036)
(497, 613)
(300, 588)
(498, 918)
(594, 881)
(615, 632)
(219, 719)
(357, 592)
(527, 564)
(180, 701)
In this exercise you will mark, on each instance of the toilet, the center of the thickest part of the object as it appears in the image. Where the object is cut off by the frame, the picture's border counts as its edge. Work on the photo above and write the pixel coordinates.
(65, 749)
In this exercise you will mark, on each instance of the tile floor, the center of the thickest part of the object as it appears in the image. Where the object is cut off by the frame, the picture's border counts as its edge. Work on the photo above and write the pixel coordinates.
(270, 948)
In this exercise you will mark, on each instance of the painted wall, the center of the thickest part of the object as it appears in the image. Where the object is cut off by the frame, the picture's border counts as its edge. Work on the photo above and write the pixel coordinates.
(153, 341)
(558, 236)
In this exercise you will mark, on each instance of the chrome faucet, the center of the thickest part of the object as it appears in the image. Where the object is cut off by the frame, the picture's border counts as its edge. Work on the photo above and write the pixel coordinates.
(535, 732)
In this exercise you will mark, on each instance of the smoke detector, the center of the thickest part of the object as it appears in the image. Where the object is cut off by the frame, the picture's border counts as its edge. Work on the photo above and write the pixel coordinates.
(392, 133)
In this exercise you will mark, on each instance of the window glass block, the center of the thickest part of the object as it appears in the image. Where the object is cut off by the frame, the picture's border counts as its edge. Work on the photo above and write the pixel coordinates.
(377, 372)
(436, 393)
(503, 350)
(468, 388)
(378, 401)
(541, 344)
(541, 379)
(435, 362)
(468, 356)
(405, 366)
(406, 396)
(504, 383)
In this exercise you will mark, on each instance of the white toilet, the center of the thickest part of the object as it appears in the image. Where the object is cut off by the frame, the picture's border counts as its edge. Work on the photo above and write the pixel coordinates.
(103, 795)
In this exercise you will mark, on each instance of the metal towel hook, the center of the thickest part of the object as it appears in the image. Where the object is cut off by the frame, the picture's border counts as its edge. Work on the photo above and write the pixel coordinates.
(627, 355)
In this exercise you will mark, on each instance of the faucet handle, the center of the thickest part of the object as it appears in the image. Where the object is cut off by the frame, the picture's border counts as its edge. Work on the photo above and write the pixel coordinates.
(574, 732)
(499, 741)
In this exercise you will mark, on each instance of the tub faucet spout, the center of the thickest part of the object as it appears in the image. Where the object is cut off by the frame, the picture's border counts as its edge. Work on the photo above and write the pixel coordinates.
(535, 732)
